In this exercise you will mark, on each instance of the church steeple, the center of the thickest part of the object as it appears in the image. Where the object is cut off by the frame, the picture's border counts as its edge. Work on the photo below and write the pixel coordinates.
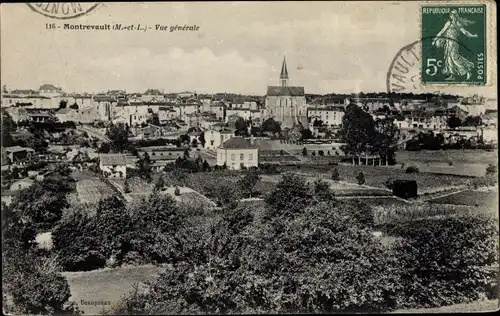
(284, 74)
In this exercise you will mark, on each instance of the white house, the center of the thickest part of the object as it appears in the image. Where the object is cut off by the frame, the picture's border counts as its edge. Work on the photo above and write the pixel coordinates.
(113, 165)
(21, 184)
(329, 115)
(238, 152)
(214, 138)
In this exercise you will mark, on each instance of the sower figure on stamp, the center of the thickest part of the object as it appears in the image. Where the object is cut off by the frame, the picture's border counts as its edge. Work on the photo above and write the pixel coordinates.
(454, 63)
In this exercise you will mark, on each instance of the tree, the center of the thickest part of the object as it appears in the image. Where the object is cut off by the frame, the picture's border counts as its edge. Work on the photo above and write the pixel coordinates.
(8, 127)
(126, 187)
(159, 183)
(454, 122)
(322, 190)
(63, 104)
(304, 151)
(272, 126)
(318, 123)
(144, 167)
(206, 166)
(335, 174)
(384, 140)
(306, 134)
(357, 132)
(321, 153)
(282, 152)
(290, 196)
(472, 120)
(202, 139)
(447, 260)
(194, 143)
(491, 170)
(241, 127)
(361, 178)
(186, 153)
(118, 134)
(74, 106)
(248, 182)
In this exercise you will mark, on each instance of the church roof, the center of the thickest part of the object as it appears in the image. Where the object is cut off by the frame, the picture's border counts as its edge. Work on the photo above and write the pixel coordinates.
(285, 91)
(284, 71)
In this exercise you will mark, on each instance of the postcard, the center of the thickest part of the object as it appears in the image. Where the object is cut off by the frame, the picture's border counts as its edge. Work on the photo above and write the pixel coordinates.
(249, 157)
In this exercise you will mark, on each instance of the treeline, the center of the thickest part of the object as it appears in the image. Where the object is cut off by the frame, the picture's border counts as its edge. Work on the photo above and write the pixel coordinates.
(431, 141)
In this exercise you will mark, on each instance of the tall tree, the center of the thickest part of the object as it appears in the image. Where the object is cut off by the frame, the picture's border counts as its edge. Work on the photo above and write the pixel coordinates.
(118, 134)
(357, 132)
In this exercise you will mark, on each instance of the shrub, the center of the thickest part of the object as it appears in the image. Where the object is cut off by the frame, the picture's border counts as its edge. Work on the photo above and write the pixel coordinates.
(126, 187)
(412, 169)
(388, 183)
(335, 174)
(177, 191)
(491, 170)
(361, 178)
(448, 260)
(321, 153)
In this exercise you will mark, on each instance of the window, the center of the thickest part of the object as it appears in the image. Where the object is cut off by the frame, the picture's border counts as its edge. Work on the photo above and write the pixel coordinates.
(250, 156)
(233, 157)
(242, 157)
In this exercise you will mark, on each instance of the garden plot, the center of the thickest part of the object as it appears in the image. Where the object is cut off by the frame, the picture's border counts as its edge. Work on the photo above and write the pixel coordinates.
(93, 190)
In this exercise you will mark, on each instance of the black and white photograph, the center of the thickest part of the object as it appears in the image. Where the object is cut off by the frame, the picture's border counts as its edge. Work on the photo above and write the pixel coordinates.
(260, 157)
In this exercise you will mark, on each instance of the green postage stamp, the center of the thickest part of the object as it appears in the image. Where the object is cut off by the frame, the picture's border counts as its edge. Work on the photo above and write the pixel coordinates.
(454, 44)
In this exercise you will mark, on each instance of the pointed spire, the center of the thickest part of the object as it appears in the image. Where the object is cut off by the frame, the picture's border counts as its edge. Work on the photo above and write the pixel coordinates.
(284, 71)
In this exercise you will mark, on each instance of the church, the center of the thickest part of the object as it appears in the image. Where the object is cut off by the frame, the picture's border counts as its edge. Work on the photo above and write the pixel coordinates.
(286, 104)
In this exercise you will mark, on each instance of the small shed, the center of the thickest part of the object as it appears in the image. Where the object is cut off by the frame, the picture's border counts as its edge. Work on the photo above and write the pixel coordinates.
(405, 188)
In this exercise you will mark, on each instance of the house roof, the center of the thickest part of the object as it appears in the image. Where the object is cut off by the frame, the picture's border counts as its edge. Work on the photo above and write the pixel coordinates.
(64, 111)
(113, 159)
(238, 142)
(285, 91)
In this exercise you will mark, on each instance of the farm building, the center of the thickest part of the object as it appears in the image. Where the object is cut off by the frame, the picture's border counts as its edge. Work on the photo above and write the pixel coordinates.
(113, 165)
(238, 152)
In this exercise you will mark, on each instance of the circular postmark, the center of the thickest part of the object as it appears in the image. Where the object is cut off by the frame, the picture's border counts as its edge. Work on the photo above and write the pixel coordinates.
(63, 10)
(405, 71)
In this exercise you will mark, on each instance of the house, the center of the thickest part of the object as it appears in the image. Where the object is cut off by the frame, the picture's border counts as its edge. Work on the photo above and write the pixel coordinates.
(329, 115)
(161, 156)
(113, 165)
(18, 154)
(214, 138)
(21, 184)
(238, 152)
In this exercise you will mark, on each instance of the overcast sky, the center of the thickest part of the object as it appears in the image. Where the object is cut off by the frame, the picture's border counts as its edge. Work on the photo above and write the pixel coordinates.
(330, 47)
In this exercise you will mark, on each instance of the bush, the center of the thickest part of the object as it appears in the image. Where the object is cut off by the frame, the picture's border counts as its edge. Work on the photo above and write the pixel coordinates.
(177, 191)
(412, 169)
(361, 178)
(335, 174)
(388, 183)
(447, 261)
(491, 170)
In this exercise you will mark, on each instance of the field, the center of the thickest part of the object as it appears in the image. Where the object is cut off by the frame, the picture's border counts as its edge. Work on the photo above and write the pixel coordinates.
(376, 176)
(93, 190)
(459, 162)
(479, 306)
(487, 199)
(106, 284)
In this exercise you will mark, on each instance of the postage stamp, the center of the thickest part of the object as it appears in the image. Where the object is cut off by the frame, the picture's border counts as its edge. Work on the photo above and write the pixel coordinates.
(456, 53)
(63, 10)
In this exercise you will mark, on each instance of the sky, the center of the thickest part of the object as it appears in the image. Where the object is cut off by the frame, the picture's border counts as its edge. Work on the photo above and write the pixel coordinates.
(330, 47)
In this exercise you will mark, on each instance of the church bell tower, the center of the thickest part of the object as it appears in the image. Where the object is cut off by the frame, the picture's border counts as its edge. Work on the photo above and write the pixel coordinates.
(284, 74)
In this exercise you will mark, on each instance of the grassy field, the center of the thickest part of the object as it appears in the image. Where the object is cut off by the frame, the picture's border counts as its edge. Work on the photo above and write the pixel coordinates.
(93, 190)
(480, 306)
(470, 198)
(376, 176)
(459, 162)
(106, 284)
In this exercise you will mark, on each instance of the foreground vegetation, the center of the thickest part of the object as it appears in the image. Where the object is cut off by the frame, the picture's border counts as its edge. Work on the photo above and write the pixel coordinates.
(301, 250)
